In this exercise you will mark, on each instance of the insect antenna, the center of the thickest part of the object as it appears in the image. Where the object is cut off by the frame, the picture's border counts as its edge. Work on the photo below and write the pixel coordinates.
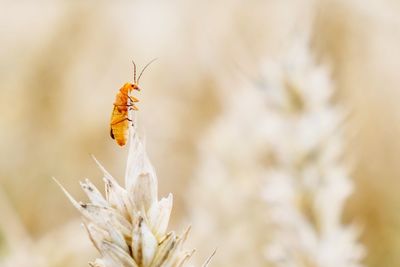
(140, 75)
(134, 71)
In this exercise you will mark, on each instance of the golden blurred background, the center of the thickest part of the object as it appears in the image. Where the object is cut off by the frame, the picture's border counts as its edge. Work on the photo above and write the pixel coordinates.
(62, 63)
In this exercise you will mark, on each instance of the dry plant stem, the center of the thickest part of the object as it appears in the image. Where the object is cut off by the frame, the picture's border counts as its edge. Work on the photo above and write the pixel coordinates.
(275, 150)
(129, 225)
(207, 262)
(306, 182)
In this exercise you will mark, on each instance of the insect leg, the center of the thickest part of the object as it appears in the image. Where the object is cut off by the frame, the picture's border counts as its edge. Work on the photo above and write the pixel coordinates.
(133, 99)
(121, 120)
(130, 106)
(127, 105)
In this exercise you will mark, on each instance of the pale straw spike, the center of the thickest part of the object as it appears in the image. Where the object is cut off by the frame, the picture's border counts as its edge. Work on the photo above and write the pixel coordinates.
(113, 190)
(96, 234)
(138, 163)
(97, 263)
(144, 193)
(187, 256)
(118, 254)
(207, 262)
(129, 225)
(93, 194)
(117, 236)
(285, 181)
(106, 174)
(159, 214)
(77, 205)
(307, 184)
(185, 234)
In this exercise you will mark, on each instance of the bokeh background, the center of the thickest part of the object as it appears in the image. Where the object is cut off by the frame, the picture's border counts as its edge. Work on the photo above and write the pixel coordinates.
(62, 62)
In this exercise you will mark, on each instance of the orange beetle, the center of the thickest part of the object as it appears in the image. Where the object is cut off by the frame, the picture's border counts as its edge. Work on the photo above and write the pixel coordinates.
(124, 102)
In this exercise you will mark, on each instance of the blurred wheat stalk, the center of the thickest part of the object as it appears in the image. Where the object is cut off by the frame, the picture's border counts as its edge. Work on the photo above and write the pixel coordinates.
(275, 152)
(306, 182)
(128, 227)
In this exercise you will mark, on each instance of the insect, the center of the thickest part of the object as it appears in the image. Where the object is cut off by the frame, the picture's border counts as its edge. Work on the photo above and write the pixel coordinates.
(125, 102)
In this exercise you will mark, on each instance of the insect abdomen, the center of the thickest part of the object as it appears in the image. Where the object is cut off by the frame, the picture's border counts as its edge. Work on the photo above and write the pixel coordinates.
(119, 132)
(119, 126)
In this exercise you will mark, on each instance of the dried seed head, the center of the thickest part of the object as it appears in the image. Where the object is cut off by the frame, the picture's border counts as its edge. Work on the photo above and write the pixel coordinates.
(128, 226)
